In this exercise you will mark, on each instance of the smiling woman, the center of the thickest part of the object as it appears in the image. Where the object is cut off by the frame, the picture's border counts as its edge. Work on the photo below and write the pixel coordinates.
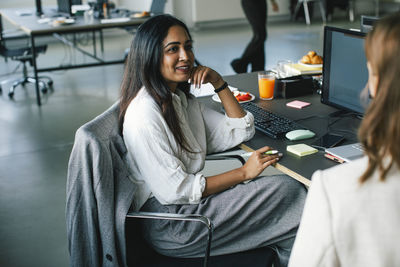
(178, 57)
(168, 133)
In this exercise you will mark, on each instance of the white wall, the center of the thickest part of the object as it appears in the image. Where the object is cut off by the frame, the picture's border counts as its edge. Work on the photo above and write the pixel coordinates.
(210, 10)
(135, 4)
(197, 12)
(143, 5)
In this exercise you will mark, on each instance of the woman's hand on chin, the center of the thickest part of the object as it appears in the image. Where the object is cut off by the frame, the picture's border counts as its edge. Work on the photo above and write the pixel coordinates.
(202, 74)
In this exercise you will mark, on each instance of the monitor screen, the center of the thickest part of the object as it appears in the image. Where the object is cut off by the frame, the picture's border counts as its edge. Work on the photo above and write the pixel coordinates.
(64, 6)
(345, 72)
(367, 23)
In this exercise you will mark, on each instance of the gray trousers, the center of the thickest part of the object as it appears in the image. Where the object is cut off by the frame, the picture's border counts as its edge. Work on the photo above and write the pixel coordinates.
(263, 212)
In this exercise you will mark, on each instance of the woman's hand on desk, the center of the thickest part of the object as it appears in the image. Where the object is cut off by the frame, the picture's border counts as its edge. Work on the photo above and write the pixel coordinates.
(258, 161)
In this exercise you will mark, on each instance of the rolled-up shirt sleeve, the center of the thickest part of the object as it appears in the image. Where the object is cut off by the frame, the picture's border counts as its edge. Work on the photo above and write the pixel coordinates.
(224, 132)
(154, 160)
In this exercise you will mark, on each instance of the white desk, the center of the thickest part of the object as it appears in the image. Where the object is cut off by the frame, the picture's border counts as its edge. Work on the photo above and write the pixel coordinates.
(29, 24)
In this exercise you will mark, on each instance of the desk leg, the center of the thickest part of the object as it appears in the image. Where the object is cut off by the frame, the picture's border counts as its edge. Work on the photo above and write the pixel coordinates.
(1, 33)
(377, 8)
(94, 43)
(101, 41)
(35, 70)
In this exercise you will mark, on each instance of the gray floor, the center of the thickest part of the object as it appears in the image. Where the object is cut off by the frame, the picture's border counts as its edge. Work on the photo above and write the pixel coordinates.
(35, 142)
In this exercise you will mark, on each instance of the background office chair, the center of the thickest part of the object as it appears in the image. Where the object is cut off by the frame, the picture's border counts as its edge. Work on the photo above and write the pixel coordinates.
(347, 5)
(140, 254)
(306, 10)
(24, 55)
(90, 182)
(157, 7)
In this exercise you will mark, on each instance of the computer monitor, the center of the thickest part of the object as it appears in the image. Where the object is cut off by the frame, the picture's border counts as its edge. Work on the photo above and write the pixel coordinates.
(64, 6)
(345, 72)
(367, 23)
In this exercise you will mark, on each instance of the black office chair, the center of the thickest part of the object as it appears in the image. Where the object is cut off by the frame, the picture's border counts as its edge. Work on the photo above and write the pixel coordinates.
(24, 55)
(140, 254)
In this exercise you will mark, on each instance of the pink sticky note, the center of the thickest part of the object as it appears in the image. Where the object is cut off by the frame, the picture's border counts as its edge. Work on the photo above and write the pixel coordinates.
(298, 104)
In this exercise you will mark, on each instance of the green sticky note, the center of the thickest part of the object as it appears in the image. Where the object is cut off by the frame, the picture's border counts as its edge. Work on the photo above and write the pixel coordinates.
(301, 149)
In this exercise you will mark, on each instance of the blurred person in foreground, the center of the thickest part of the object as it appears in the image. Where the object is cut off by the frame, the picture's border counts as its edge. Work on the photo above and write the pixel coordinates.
(351, 216)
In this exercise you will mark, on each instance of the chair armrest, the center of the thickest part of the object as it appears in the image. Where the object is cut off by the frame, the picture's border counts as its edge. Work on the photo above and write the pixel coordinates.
(180, 217)
(171, 216)
(224, 157)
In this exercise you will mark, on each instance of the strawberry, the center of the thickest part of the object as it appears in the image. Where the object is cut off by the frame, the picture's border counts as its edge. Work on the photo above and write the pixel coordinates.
(243, 97)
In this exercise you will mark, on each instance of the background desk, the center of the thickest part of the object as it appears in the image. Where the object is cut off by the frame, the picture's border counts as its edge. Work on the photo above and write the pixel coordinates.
(299, 168)
(29, 24)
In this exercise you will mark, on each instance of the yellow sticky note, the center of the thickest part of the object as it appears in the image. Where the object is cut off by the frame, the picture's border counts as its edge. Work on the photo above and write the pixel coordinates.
(301, 149)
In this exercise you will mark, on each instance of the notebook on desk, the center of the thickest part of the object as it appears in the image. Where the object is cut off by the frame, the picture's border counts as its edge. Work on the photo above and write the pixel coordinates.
(347, 152)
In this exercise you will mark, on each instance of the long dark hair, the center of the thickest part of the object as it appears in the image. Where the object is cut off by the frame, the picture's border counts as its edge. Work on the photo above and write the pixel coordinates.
(380, 129)
(142, 68)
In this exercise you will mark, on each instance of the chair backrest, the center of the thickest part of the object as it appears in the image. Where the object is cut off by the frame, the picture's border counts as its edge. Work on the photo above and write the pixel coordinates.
(20, 52)
(157, 7)
(2, 45)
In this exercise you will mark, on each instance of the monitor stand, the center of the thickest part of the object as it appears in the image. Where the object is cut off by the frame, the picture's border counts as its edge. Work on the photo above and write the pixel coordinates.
(344, 113)
(339, 113)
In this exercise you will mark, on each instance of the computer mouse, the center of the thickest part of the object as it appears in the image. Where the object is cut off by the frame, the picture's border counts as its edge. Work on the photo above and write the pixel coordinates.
(299, 134)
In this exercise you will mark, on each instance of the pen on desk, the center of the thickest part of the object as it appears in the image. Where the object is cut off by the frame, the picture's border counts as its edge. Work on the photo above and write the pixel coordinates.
(269, 152)
(332, 157)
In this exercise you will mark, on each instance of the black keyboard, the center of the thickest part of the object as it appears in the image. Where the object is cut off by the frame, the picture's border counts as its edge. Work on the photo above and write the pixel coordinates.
(271, 124)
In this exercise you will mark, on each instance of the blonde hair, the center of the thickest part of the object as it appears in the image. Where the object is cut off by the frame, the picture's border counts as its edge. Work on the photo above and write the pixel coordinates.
(380, 129)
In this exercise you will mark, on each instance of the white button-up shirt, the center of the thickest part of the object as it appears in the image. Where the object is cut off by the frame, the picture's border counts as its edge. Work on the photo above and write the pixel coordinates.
(158, 165)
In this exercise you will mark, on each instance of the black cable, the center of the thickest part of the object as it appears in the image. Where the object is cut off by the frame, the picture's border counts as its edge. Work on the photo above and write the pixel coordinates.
(311, 117)
(319, 147)
(344, 131)
(333, 122)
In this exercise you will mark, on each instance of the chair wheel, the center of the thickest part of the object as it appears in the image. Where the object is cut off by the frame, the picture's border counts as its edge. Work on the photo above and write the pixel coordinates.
(50, 83)
(11, 94)
(44, 90)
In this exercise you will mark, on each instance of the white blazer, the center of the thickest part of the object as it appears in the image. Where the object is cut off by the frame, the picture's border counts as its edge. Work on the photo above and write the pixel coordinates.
(346, 223)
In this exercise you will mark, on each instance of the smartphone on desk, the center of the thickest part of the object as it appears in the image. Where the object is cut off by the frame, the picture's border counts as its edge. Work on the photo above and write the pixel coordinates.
(328, 140)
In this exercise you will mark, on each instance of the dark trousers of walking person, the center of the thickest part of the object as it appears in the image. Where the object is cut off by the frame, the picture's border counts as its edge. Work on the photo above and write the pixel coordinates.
(254, 54)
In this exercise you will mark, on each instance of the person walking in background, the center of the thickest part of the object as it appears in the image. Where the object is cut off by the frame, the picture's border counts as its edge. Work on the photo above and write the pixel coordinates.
(256, 13)
(351, 216)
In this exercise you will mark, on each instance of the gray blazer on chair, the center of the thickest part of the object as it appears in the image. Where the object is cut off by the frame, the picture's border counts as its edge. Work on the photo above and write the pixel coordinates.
(99, 194)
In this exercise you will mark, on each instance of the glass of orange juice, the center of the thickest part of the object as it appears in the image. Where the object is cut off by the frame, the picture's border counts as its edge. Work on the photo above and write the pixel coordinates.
(266, 83)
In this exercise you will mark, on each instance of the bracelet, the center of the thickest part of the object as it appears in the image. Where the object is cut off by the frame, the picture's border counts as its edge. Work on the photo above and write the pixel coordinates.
(219, 89)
